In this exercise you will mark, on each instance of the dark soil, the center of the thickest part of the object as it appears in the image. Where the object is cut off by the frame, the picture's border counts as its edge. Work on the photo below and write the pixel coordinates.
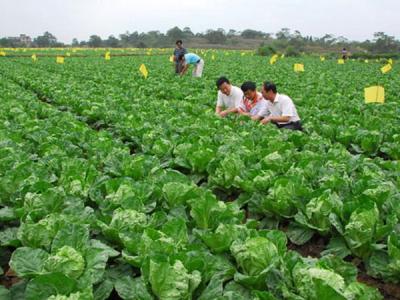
(317, 244)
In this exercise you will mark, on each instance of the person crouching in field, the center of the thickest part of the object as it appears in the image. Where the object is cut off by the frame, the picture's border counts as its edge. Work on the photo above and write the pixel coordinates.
(280, 109)
(192, 59)
(229, 97)
(253, 104)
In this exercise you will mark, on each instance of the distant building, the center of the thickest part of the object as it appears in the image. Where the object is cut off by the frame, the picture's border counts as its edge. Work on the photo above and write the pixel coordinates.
(23, 40)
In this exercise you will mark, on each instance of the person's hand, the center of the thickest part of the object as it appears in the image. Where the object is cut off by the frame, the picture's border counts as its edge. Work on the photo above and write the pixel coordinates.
(265, 120)
(223, 113)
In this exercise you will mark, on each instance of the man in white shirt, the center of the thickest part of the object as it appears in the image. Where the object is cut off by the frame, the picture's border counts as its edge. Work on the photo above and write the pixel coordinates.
(280, 110)
(229, 97)
(253, 104)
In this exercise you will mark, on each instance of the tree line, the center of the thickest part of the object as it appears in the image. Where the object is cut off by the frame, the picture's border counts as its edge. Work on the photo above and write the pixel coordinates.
(285, 40)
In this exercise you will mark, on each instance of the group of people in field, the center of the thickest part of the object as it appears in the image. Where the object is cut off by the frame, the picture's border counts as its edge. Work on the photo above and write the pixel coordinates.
(183, 60)
(267, 106)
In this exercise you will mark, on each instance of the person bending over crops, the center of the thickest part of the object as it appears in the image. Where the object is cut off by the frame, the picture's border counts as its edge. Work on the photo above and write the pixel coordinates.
(252, 104)
(229, 97)
(280, 109)
(178, 51)
(192, 59)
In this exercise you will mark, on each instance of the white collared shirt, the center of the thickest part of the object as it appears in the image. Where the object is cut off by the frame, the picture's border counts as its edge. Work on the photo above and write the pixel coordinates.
(283, 106)
(260, 109)
(231, 101)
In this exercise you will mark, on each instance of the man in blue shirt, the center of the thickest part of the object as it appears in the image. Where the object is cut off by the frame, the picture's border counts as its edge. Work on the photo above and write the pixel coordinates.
(178, 51)
(192, 59)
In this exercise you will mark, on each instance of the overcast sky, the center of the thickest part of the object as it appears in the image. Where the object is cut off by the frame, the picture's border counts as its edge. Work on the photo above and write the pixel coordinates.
(68, 19)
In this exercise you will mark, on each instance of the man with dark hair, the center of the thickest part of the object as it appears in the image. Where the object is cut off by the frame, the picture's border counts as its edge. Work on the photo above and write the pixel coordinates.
(280, 109)
(178, 51)
(229, 97)
(252, 105)
(344, 53)
(192, 59)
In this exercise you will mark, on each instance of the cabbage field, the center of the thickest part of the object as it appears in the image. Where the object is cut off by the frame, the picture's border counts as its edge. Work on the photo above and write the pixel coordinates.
(116, 186)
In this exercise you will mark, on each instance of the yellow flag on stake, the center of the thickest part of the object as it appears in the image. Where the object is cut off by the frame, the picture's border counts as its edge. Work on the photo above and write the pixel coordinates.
(298, 67)
(385, 69)
(273, 59)
(374, 94)
(340, 61)
(60, 59)
(34, 58)
(143, 70)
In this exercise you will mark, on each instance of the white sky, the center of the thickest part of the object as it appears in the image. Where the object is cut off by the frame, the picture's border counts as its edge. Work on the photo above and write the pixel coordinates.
(68, 19)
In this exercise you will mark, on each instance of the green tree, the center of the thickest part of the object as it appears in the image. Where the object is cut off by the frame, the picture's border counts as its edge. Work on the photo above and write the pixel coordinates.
(75, 42)
(175, 34)
(95, 41)
(252, 34)
(215, 36)
(112, 42)
(46, 40)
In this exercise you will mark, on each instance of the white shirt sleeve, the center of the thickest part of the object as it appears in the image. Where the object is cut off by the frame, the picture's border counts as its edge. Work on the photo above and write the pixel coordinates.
(288, 108)
(263, 112)
(219, 99)
(242, 106)
(238, 98)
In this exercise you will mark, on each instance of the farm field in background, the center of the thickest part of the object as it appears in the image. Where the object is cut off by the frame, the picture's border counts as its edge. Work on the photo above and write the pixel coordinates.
(113, 185)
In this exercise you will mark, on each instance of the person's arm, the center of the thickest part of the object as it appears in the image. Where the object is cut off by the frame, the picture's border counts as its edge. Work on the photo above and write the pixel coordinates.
(218, 109)
(256, 118)
(224, 113)
(243, 113)
(283, 119)
(184, 69)
(242, 108)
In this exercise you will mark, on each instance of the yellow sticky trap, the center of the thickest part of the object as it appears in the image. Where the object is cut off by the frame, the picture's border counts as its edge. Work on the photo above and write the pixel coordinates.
(213, 57)
(60, 59)
(243, 54)
(73, 50)
(107, 56)
(322, 58)
(390, 61)
(366, 61)
(385, 69)
(171, 58)
(273, 59)
(340, 61)
(144, 71)
(34, 58)
(2, 53)
(374, 94)
(68, 54)
(283, 56)
(298, 67)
